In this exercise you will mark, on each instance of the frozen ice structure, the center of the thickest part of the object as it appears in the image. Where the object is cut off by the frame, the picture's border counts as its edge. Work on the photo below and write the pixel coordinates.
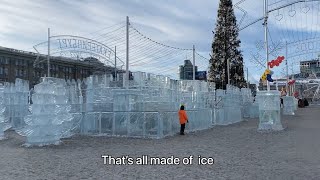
(97, 99)
(295, 100)
(228, 106)
(269, 110)
(288, 105)
(254, 110)
(149, 108)
(4, 118)
(16, 100)
(20, 107)
(75, 99)
(102, 106)
(250, 106)
(219, 115)
(50, 119)
(233, 105)
(247, 101)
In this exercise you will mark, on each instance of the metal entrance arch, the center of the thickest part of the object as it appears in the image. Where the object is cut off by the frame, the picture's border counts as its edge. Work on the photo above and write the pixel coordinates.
(77, 48)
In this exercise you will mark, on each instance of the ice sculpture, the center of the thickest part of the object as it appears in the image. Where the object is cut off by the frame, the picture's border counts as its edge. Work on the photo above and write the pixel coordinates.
(288, 105)
(4, 118)
(21, 105)
(269, 110)
(50, 119)
(246, 102)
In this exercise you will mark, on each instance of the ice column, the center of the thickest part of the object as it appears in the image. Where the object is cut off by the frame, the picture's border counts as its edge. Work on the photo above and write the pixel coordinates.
(269, 110)
(232, 103)
(246, 102)
(4, 119)
(20, 108)
(289, 106)
(9, 92)
(219, 117)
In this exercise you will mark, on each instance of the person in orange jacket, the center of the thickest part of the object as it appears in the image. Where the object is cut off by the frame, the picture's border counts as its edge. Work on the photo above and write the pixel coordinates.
(183, 119)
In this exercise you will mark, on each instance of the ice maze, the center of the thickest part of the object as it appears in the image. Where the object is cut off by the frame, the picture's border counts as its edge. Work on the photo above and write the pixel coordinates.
(148, 108)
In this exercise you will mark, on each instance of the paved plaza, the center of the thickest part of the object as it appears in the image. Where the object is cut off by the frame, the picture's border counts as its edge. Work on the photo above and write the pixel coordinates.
(239, 152)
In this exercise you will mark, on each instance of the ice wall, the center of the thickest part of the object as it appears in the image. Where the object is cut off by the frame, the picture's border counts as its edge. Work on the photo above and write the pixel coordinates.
(228, 109)
(17, 102)
(219, 112)
(149, 108)
(97, 99)
(250, 107)
(4, 118)
(21, 104)
(247, 100)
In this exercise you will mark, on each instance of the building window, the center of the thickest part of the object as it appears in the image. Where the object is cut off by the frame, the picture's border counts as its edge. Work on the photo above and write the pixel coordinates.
(22, 73)
(5, 71)
(1, 70)
(7, 60)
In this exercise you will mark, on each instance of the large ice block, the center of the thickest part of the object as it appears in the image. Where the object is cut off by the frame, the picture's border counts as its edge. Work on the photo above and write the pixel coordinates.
(247, 101)
(228, 106)
(269, 110)
(4, 118)
(254, 110)
(295, 104)
(288, 105)
(19, 105)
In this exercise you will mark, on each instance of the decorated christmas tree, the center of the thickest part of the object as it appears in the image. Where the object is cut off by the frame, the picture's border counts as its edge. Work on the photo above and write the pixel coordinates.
(225, 47)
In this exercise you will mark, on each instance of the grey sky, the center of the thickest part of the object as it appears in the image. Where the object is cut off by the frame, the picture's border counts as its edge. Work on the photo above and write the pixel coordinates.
(181, 23)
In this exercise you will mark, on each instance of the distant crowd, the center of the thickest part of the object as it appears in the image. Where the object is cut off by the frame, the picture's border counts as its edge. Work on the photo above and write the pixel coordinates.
(302, 102)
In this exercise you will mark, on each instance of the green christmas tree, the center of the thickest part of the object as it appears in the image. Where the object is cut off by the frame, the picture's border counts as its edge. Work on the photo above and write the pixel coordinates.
(225, 46)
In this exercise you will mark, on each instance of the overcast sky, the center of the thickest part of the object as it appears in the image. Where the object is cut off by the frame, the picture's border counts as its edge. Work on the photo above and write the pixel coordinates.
(180, 23)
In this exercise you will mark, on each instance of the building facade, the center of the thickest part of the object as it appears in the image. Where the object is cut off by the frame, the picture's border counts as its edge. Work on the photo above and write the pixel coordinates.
(186, 70)
(307, 68)
(21, 64)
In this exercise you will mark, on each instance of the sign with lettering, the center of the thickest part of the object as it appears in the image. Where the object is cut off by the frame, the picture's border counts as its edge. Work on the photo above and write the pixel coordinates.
(79, 48)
